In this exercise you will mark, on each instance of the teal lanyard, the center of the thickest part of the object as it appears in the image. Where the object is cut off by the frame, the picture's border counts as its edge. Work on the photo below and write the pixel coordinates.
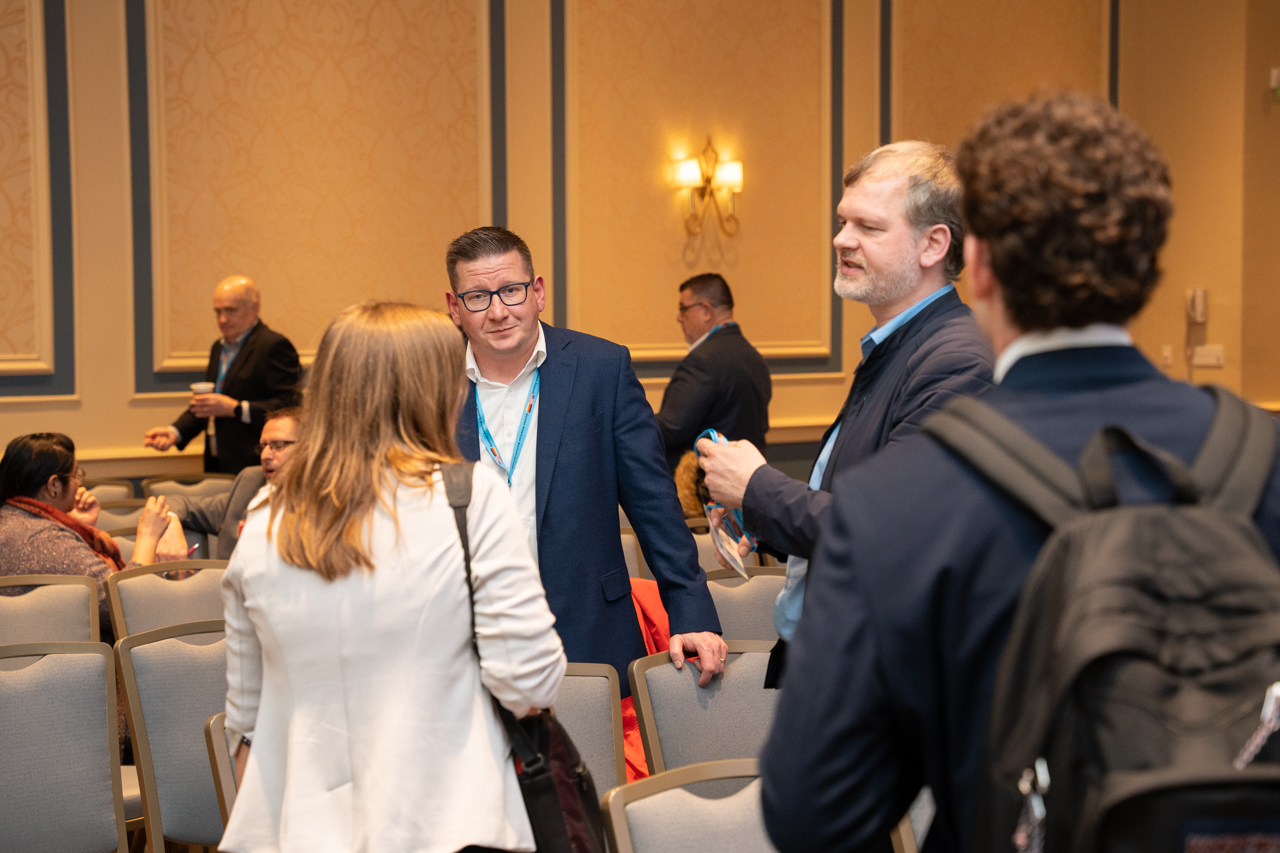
(715, 329)
(488, 441)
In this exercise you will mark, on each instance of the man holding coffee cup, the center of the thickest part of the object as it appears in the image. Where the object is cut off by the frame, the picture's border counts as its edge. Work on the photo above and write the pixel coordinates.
(252, 371)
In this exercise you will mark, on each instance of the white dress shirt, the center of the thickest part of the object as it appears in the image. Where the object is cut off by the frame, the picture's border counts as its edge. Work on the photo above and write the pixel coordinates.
(1031, 343)
(503, 407)
(371, 721)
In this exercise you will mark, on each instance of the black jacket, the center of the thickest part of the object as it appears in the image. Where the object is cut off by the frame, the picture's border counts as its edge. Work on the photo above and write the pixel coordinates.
(936, 355)
(723, 385)
(266, 372)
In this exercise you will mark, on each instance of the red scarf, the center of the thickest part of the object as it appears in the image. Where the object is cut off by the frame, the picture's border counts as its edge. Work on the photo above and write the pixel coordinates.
(102, 544)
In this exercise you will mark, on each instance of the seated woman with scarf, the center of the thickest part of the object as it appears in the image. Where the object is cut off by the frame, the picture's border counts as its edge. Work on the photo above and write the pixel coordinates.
(47, 518)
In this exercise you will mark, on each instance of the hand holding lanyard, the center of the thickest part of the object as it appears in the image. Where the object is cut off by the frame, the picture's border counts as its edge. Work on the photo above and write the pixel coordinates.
(732, 518)
(487, 440)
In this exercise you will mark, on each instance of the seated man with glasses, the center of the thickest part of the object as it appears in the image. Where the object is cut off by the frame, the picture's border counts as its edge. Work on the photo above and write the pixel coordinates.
(223, 515)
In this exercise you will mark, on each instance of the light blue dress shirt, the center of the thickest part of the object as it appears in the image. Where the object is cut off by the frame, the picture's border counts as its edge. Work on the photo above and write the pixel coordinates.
(786, 610)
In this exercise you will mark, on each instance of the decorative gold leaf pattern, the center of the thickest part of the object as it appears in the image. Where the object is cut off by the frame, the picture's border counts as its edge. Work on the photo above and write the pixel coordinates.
(17, 272)
(326, 148)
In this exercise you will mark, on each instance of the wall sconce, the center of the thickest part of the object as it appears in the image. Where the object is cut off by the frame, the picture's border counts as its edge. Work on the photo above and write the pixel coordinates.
(702, 176)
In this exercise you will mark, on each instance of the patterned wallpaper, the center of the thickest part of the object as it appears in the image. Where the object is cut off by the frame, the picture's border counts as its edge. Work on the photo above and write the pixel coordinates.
(329, 150)
(17, 269)
(649, 80)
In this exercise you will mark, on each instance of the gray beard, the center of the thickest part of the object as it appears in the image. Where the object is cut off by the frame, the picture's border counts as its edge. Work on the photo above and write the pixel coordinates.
(876, 289)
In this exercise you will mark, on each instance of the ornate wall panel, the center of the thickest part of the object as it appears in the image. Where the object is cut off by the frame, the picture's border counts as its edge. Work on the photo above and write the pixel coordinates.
(26, 275)
(328, 150)
(647, 83)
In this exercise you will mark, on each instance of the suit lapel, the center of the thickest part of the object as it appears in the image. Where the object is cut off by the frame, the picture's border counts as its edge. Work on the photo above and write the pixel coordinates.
(556, 377)
(468, 433)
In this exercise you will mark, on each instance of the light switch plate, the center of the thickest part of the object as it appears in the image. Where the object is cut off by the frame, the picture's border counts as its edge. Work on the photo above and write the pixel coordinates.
(1275, 78)
(1208, 355)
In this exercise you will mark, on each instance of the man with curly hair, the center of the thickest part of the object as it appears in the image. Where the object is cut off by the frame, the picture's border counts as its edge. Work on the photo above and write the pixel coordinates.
(921, 561)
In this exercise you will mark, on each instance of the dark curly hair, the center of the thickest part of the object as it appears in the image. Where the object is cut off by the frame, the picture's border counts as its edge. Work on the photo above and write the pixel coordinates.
(1074, 201)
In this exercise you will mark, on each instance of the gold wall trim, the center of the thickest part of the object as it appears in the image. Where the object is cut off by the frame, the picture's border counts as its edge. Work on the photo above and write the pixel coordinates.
(40, 359)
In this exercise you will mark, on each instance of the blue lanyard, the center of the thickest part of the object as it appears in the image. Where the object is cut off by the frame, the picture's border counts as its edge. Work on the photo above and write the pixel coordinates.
(734, 514)
(223, 364)
(488, 441)
(715, 329)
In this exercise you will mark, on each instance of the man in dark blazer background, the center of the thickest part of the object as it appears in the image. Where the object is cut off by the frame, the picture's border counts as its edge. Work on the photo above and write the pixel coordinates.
(723, 383)
(900, 246)
(567, 425)
(921, 561)
(253, 370)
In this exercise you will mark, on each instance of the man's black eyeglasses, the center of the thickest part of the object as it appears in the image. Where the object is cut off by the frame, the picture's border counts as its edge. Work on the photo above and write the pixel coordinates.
(510, 294)
(276, 446)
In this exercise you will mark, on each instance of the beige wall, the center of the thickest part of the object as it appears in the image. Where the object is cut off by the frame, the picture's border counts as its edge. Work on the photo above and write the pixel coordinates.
(1182, 79)
(1260, 350)
(314, 188)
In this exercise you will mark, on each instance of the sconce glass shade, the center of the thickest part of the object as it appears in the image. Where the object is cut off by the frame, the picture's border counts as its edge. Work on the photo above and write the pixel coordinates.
(728, 176)
(687, 174)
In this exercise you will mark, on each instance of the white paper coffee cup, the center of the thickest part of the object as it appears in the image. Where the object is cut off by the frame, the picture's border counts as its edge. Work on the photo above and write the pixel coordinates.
(201, 387)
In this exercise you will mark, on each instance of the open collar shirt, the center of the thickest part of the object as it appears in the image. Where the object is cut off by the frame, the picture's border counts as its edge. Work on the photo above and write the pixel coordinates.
(503, 406)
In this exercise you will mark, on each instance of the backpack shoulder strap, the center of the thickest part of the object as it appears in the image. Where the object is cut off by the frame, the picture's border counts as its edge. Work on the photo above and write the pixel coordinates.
(1235, 461)
(1010, 458)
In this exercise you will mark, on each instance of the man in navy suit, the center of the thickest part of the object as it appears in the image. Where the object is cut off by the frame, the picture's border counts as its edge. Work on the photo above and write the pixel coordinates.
(921, 561)
(562, 418)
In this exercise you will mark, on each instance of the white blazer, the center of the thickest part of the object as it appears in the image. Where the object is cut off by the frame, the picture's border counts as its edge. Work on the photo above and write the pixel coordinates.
(371, 721)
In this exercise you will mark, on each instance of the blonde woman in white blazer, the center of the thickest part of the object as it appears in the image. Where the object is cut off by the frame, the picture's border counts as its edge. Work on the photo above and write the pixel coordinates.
(366, 718)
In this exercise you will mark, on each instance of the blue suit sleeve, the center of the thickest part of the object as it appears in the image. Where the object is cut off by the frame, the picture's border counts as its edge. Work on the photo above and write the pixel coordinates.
(832, 767)
(648, 496)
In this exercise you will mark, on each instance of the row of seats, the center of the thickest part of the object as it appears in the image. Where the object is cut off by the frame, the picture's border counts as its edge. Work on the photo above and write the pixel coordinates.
(173, 677)
(194, 485)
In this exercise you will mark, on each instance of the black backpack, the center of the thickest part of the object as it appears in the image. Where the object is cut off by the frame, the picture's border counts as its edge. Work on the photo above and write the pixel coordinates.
(1125, 716)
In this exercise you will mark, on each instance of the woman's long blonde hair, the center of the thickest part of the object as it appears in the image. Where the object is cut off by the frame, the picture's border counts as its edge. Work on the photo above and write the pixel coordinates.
(380, 407)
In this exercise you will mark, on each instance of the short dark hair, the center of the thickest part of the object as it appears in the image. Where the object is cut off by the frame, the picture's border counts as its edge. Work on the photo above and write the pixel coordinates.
(933, 190)
(1073, 199)
(710, 287)
(485, 242)
(294, 412)
(30, 460)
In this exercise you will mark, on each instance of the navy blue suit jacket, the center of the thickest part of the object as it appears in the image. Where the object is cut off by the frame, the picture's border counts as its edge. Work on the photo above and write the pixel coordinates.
(935, 356)
(911, 596)
(598, 446)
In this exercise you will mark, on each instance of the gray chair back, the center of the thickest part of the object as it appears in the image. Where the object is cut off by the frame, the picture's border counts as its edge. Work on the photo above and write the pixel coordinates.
(175, 678)
(631, 553)
(141, 600)
(745, 605)
(589, 707)
(662, 814)
(221, 763)
(60, 786)
(707, 554)
(110, 490)
(58, 609)
(196, 486)
(117, 514)
(682, 723)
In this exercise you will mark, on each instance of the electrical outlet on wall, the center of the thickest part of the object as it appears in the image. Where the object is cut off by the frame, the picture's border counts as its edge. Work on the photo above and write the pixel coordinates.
(1208, 355)
(1166, 356)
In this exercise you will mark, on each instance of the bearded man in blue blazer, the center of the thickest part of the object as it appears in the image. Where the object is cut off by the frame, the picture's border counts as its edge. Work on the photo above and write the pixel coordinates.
(561, 417)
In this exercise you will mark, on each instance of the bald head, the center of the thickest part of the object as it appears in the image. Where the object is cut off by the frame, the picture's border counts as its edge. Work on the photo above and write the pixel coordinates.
(235, 303)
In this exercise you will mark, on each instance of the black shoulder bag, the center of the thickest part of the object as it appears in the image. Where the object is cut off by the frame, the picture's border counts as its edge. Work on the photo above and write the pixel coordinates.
(558, 792)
